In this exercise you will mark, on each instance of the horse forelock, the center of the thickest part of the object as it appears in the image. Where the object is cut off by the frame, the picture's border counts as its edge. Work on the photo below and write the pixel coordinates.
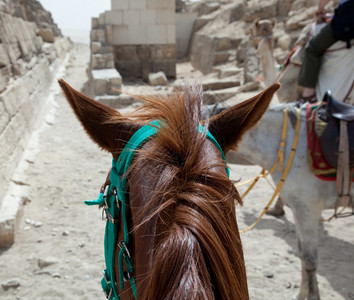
(193, 203)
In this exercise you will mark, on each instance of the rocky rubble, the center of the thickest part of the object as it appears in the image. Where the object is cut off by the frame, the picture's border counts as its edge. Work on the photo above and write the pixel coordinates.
(221, 37)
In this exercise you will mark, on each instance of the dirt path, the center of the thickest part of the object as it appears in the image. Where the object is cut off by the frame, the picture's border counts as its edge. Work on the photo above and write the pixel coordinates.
(58, 252)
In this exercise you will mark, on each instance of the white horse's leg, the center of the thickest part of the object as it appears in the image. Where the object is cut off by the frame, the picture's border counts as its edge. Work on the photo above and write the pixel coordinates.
(307, 221)
(277, 210)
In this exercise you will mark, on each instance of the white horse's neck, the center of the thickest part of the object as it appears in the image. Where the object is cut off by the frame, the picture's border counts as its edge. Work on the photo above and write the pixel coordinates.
(260, 144)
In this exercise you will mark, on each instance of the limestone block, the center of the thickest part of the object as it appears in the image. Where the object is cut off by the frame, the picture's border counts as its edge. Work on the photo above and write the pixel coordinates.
(214, 96)
(105, 81)
(165, 17)
(161, 4)
(171, 34)
(300, 19)
(128, 53)
(218, 84)
(260, 10)
(201, 21)
(101, 19)
(228, 72)
(120, 35)
(47, 35)
(137, 34)
(98, 35)
(143, 52)
(162, 52)
(223, 43)
(94, 23)
(129, 69)
(4, 57)
(157, 34)
(208, 7)
(221, 57)
(158, 78)
(167, 66)
(284, 41)
(148, 17)
(102, 61)
(5, 75)
(96, 47)
(202, 52)
(131, 17)
(114, 17)
(237, 11)
(138, 4)
(120, 4)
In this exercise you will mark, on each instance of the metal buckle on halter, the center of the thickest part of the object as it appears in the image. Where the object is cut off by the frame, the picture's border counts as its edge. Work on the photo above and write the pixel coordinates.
(105, 206)
(108, 293)
(126, 274)
(115, 194)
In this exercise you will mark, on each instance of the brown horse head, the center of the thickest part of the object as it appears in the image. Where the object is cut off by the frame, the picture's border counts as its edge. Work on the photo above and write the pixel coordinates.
(185, 242)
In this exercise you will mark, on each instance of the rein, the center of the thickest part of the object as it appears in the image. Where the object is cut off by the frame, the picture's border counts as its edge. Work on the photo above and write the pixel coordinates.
(280, 161)
(114, 201)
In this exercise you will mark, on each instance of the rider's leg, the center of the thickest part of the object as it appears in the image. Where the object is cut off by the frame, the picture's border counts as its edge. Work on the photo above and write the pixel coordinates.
(311, 64)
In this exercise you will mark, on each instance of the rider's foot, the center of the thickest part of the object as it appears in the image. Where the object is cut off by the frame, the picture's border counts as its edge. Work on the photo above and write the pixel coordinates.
(303, 99)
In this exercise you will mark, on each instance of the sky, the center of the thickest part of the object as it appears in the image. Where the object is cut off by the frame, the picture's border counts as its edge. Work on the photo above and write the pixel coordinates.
(74, 16)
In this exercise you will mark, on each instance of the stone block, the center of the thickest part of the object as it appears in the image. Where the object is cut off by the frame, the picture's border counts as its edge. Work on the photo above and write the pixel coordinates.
(223, 43)
(131, 17)
(218, 84)
(157, 34)
(96, 47)
(138, 4)
(114, 17)
(129, 69)
(128, 53)
(120, 35)
(158, 78)
(120, 4)
(98, 35)
(105, 81)
(162, 52)
(94, 23)
(137, 34)
(10, 213)
(102, 61)
(47, 35)
(237, 12)
(221, 57)
(148, 17)
(102, 19)
(109, 34)
(167, 66)
(143, 52)
(4, 57)
(161, 4)
(202, 52)
(166, 17)
(171, 34)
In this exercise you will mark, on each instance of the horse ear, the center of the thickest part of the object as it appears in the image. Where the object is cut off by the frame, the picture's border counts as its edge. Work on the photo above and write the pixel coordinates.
(96, 119)
(229, 126)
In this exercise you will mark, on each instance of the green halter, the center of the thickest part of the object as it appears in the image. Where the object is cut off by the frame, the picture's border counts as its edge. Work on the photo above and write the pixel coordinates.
(115, 200)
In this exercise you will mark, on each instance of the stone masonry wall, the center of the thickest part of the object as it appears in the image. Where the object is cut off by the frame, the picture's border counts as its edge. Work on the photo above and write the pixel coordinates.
(26, 70)
(137, 36)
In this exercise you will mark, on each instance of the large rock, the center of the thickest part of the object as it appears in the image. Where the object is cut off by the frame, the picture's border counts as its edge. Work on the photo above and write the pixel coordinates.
(158, 78)
(47, 35)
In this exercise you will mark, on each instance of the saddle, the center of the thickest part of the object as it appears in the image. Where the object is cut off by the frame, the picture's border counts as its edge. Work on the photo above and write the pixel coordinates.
(337, 142)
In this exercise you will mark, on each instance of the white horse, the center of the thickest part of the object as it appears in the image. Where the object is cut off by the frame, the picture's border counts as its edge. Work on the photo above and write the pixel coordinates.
(303, 192)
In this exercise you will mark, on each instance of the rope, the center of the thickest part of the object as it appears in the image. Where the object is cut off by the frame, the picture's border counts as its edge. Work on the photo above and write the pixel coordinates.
(287, 168)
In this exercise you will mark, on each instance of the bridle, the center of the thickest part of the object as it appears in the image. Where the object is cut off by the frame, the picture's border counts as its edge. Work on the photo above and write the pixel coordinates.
(114, 200)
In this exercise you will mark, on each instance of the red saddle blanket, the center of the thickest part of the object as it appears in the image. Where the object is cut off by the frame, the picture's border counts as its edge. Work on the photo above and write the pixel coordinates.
(315, 157)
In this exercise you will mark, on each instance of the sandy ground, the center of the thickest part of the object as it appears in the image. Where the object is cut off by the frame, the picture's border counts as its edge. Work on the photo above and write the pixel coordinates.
(58, 252)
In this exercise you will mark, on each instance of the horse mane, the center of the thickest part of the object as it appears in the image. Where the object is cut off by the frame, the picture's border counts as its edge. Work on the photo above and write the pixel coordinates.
(198, 252)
